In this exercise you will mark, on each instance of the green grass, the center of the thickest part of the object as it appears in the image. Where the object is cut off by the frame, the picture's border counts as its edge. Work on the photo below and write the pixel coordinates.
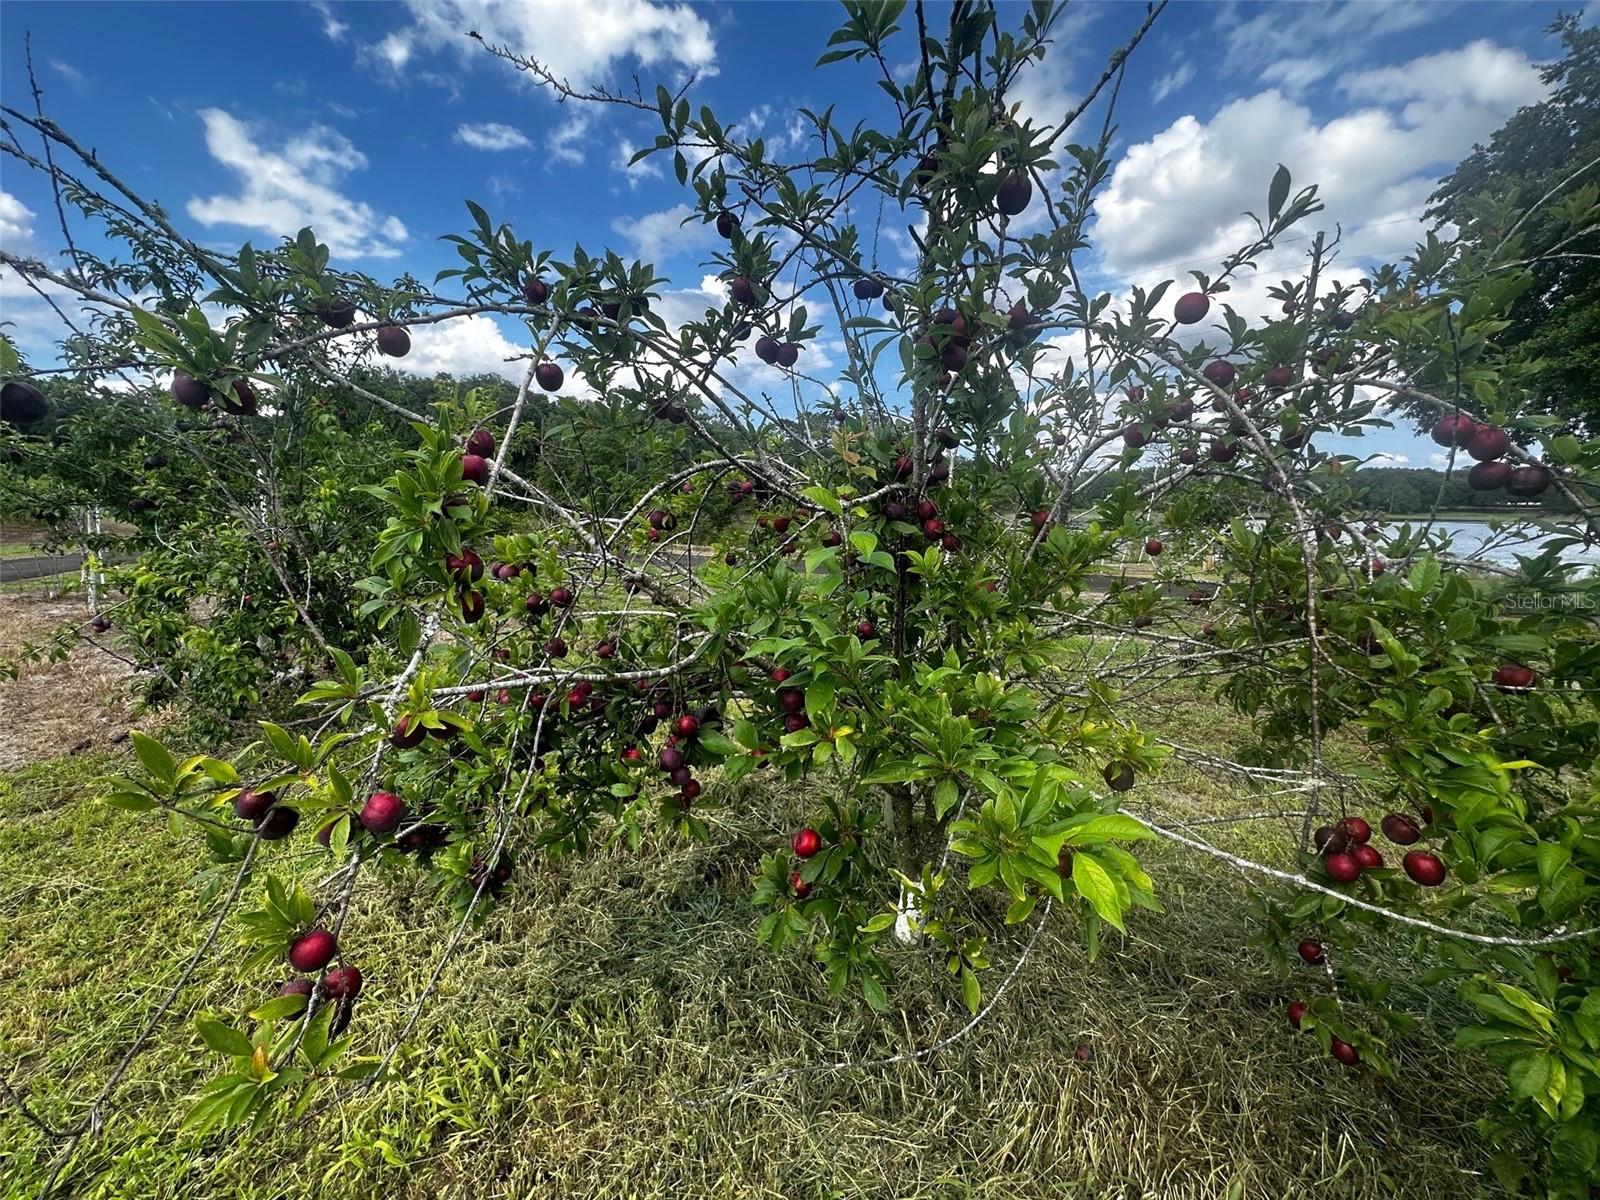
(607, 990)
(1464, 514)
(56, 585)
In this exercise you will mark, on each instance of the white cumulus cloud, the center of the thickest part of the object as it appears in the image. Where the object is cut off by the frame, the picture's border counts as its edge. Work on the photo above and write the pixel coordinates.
(285, 189)
(583, 44)
(1293, 46)
(491, 135)
(1172, 81)
(16, 223)
(1176, 201)
(76, 78)
(636, 172)
(472, 345)
(658, 235)
(475, 345)
(332, 27)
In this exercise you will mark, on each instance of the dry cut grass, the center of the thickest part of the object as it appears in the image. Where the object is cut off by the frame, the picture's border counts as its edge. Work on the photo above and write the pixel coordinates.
(568, 1042)
(59, 708)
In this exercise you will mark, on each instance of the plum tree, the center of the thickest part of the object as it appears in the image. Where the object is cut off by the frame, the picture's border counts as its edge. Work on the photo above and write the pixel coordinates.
(906, 623)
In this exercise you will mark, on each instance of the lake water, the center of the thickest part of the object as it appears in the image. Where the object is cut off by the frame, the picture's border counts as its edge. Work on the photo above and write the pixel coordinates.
(1474, 539)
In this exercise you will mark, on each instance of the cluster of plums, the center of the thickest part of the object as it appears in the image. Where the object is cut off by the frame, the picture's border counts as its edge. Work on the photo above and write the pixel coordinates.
(805, 843)
(775, 353)
(271, 822)
(925, 515)
(657, 522)
(1347, 851)
(1224, 448)
(747, 293)
(1339, 1049)
(381, 815)
(779, 524)
(950, 338)
(740, 490)
(313, 949)
(340, 313)
(1311, 951)
(1488, 445)
(1013, 193)
(1484, 442)
(310, 952)
(195, 394)
(475, 457)
(791, 702)
(674, 758)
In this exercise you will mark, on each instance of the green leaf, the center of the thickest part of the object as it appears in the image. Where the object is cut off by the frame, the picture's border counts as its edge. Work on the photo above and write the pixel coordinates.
(157, 759)
(217, 1102)
(1105, 827)
(1587, 1020)
(130, 800)
(223, 1038)
(1278, 191)
(896, 771)
(1096, 886)
(876, 998)
(280, 1006)
(1493, 1006)
(1020, 909)
(1529, 1075)
(823, 499)
(971, 992)
(1551, 857)
(315, 1043)
(1424, 575)
(819, 697)
(1576, 1147)
(1566, 448)
(1475, 1037)
(865, 543)
(717, 743)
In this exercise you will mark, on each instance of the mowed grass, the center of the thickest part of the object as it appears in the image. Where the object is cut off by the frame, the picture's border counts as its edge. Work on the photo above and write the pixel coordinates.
(568, 1042)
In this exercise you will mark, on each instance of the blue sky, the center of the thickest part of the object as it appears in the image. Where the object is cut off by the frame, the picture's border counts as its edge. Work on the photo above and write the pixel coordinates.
(373, 121)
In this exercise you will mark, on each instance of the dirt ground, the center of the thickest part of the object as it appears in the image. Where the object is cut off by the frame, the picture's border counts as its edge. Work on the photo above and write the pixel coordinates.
(56, 708)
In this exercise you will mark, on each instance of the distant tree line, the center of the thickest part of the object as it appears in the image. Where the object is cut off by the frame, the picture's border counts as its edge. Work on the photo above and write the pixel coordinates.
(1420, 489)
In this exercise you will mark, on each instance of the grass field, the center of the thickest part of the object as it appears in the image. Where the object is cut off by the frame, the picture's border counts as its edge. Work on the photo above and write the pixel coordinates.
(558, 1058)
